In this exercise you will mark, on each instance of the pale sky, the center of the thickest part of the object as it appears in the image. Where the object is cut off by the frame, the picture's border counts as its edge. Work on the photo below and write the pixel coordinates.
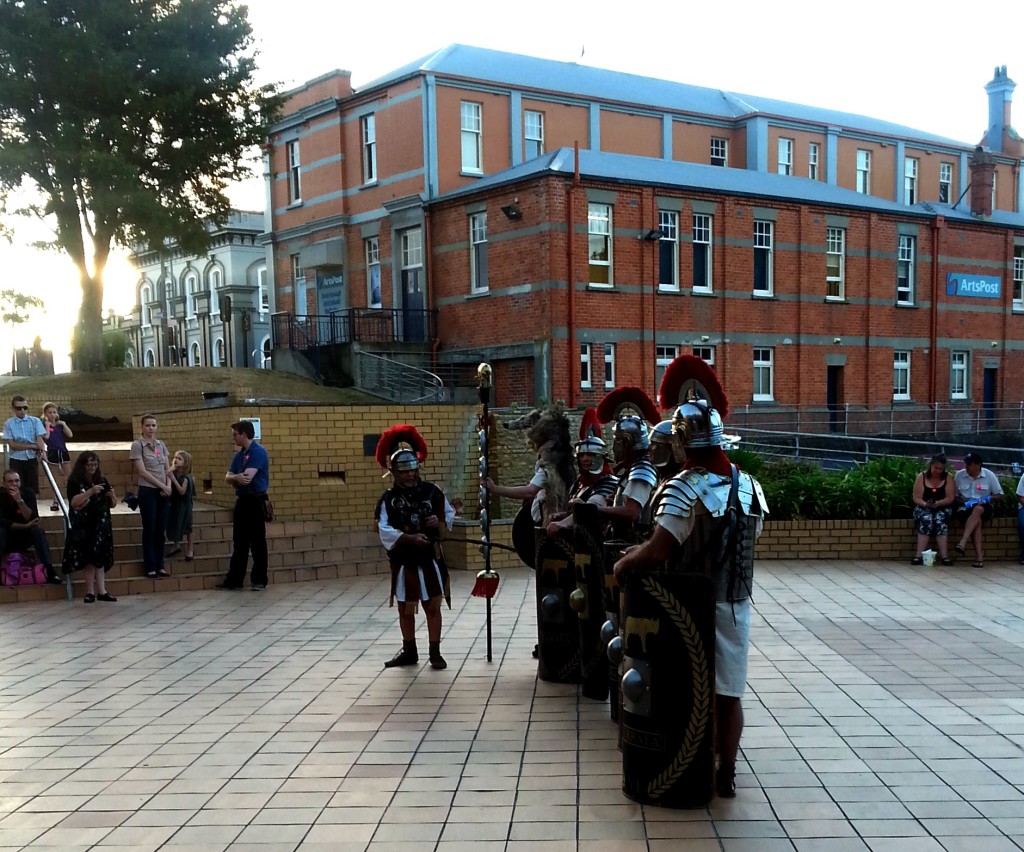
(909, 61)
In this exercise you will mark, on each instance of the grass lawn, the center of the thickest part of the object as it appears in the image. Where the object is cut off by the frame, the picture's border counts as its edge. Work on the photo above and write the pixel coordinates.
(265, 384)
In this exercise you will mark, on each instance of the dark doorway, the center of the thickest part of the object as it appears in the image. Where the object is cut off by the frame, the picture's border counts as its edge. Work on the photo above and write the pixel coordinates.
(834, 399)
(413, 306)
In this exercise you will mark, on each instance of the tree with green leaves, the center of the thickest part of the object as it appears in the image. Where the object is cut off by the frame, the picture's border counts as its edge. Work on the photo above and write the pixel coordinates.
(127, 118)
(16, 308)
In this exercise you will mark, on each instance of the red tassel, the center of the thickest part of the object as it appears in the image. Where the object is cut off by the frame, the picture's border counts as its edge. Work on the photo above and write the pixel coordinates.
(690, 368)
(486, 585)
(590, 426)
(403, 433)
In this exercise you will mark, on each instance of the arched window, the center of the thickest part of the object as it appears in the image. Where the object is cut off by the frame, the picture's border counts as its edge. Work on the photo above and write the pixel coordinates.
(196, 359)
(220, 354)
(145, 297)
(262, 293)
(150, 358)
(216, 280)
(266, 362)
(129, 358)
(191, 288)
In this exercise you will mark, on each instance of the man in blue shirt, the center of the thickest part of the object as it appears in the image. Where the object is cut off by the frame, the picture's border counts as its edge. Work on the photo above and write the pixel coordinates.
(24, 436)
(250, 474)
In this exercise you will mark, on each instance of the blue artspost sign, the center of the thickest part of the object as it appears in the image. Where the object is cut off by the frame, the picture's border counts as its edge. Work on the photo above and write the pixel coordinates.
(330, 289)
(977, 286)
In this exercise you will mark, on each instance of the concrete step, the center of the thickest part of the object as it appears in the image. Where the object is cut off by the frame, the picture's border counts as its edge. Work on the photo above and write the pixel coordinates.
(298, 551)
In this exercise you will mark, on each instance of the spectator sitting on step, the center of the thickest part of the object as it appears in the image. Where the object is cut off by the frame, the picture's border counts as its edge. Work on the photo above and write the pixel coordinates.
(976, 489)
(19, 524)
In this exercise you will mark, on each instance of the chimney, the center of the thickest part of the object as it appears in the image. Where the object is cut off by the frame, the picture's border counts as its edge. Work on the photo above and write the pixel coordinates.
(983, 169)
(1000, 96)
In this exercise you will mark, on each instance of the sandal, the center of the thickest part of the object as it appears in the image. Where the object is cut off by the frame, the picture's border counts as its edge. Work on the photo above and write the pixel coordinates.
(978, 564)
(959, 548)
(917, 560)
(946, 560)
(89, 599)
(106, 596)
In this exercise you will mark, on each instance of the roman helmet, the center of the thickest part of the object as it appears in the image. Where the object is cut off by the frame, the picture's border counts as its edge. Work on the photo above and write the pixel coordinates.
(691, 390)
(590, 442)
(630, 409)
(401, 448)
(662, 452)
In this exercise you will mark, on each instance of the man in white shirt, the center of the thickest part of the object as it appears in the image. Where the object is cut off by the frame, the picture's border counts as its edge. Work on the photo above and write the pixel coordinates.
(976, 489)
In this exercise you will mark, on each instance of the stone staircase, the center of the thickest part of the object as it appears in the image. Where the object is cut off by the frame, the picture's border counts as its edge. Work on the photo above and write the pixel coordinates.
(298, 550)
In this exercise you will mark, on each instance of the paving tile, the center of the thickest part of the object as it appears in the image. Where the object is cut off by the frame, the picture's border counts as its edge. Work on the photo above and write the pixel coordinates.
(873, 720)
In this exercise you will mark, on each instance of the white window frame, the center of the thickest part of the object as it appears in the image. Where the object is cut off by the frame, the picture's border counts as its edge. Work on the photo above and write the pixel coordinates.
(835, 272)
(191, 288)
(703, 234)
(368, 129)
(600, 227)
(901, 375)
(266, 357)
(533, 133)
(150, 358)
(478, 282)
(262, 291)
(220, 353)
(195, 355)
(813, 156)
(663, 356)
(371, 249)
(294, 173)
(995, 182)
(215, 283)
(1018, 278)
(946, 183)
(471, 125)
(668, 224)
(764, 367)
(911, 166)
(764, 239)
(958, 372)
(906, 263)
(609, 366)
(705, 353)
(863, 184)
(412, 248)
(298, 287)
(719, 155)
(586, 377)
(785, 156)
(145, 318)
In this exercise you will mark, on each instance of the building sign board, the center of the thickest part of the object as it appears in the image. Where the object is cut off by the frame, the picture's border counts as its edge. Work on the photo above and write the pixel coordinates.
(330, 289)
(977, 286)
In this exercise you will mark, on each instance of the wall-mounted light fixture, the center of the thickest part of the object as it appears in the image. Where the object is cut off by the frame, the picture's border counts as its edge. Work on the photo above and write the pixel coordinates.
(512, 211)
(837, 340)
(704, 338)
(995, 344)
(651, 235)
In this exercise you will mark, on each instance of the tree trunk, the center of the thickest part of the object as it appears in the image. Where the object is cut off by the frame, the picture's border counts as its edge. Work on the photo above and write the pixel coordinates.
(88, 344)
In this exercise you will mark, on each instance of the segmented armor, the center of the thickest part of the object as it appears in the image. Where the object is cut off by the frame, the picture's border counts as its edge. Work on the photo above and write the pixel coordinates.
(637, 483)
(604, 485)
(722, 530)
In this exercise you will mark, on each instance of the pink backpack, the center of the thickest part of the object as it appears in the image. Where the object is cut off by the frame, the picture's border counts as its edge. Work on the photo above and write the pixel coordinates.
(18, 570)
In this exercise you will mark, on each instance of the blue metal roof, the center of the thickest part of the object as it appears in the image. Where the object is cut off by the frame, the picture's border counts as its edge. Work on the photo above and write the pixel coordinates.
(627, 168)
(528, 72)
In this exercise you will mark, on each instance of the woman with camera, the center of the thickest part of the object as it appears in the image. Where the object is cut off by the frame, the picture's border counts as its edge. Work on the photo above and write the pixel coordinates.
(90, 540)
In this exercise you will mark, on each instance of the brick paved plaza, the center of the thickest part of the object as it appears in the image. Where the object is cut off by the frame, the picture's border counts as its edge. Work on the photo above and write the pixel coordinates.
(885, 712)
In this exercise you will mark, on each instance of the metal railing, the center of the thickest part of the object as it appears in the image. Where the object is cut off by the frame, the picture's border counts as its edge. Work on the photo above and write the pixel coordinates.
(395, 381)
(353, 325)
(898, 419)
(839, 451)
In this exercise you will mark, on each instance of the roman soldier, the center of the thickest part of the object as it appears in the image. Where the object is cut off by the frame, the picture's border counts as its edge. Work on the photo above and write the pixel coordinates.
(409, 517)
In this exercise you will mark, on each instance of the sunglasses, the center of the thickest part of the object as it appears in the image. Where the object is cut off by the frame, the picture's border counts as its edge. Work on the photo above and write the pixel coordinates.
(21, 408)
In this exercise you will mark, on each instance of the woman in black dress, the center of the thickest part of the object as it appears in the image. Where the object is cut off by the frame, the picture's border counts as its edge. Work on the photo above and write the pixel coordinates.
(90, 541)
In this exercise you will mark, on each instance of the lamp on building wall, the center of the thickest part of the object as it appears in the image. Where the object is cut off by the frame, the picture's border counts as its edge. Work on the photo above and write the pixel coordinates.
(837, 340)
(512, 211)
(704, 338)
(652, 235)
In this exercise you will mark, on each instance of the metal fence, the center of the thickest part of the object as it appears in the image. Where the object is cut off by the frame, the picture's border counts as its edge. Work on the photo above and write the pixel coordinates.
(353, 325)
(940, 419)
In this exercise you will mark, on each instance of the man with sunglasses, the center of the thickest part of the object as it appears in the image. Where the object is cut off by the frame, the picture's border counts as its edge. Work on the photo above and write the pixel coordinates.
(25, 445)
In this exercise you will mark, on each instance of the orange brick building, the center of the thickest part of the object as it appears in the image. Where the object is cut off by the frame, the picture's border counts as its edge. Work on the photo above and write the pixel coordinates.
(815, 257)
